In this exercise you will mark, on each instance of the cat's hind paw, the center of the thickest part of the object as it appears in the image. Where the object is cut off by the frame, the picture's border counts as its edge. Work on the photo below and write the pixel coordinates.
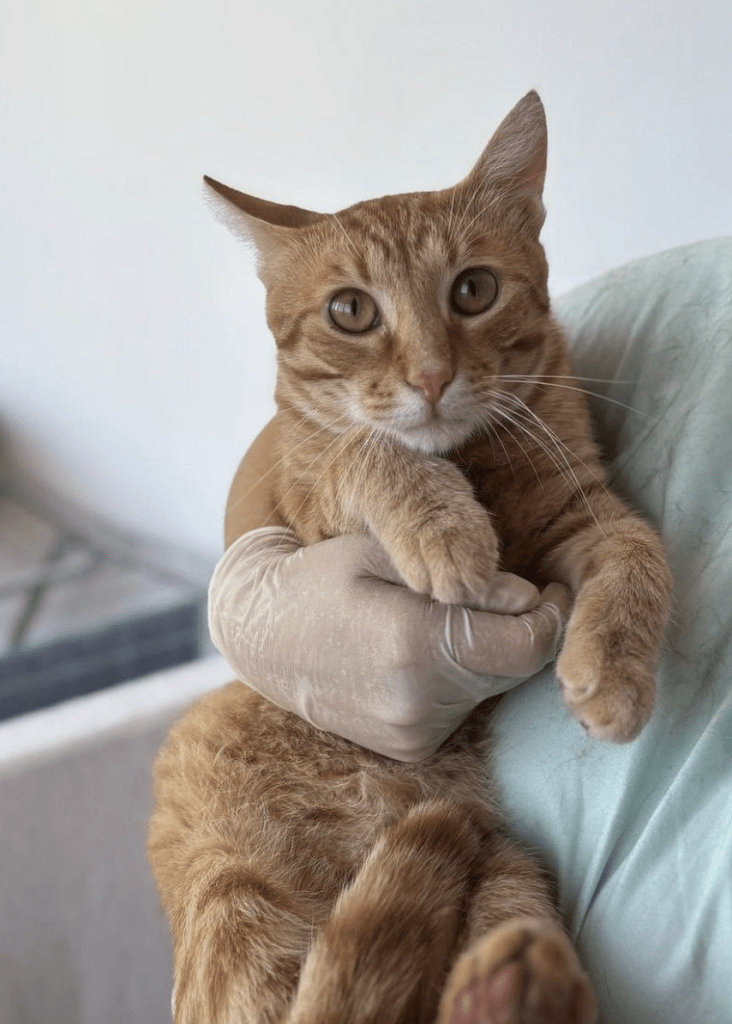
(522, 972)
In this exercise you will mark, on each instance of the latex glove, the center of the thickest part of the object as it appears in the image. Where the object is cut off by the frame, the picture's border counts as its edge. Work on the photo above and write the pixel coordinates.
(329, 632)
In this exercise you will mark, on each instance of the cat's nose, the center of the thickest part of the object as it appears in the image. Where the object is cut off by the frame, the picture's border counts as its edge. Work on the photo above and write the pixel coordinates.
(432, 381)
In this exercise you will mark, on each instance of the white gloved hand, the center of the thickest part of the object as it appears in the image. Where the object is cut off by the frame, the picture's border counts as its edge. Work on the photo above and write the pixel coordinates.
(329, 631)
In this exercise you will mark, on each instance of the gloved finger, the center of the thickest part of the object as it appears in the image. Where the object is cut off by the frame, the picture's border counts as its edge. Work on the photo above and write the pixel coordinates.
(516, 640)
(506, 645)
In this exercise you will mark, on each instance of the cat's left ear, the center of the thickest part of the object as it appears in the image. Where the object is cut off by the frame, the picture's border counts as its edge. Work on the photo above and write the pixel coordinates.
(268, 226)
(514, 161)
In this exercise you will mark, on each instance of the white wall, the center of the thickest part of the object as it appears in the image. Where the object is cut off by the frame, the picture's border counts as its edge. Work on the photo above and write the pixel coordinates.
(134, 362)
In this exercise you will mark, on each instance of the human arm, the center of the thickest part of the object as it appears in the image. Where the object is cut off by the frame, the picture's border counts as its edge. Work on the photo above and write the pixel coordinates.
(330, 632)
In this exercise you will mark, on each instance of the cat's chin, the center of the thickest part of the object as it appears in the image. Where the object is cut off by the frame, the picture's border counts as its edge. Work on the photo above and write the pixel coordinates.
(435, 438)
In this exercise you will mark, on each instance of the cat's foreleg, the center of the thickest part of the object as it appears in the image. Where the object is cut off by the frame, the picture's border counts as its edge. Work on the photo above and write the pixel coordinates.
(622, 582)
(424, 512)
(518, 963)
(383, 956)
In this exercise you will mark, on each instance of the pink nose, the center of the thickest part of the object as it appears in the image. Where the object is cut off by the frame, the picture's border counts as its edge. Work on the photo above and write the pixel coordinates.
(432, 381)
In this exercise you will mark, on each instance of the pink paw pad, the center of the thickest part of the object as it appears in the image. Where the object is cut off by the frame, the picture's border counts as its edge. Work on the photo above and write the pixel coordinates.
(489, 1000)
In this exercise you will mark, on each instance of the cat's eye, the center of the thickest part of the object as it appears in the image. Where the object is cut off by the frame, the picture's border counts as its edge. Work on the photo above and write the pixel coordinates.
(473, 291)
(354, 311)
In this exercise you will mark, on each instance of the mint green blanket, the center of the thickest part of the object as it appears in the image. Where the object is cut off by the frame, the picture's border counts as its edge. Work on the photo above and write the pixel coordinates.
(640, 836)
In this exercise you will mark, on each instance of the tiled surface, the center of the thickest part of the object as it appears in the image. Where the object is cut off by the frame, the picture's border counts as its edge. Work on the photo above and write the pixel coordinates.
(80, 610)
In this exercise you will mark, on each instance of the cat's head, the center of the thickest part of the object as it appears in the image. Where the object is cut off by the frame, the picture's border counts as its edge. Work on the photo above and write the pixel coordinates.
(406, 313)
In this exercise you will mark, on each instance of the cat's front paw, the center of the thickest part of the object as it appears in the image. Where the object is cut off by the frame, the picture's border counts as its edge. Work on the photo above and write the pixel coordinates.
(611, 697)
(523, 970)
(607, 673)
(608, 662)
(452, 556)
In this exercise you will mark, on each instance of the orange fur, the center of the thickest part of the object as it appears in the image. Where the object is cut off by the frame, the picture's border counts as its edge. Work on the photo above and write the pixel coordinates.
(309, 880)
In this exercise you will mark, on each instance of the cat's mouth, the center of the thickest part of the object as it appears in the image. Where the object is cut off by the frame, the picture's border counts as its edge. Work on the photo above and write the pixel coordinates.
(432, 429)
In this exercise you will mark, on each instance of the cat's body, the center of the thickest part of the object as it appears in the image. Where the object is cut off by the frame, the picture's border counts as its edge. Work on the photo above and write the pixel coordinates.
(309, 880)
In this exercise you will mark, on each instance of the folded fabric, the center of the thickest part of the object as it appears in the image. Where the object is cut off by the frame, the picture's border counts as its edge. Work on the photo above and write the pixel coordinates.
(640, 836)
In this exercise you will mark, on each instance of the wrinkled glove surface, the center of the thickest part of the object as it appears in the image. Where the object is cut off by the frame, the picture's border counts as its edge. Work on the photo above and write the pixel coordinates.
(330, 632)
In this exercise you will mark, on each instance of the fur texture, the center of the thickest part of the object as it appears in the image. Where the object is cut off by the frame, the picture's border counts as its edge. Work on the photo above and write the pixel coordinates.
(424, 393)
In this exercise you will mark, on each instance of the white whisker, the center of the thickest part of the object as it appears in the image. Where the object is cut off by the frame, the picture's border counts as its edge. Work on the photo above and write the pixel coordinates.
(336, 440)
(511, 418)
(368, 442)
(542, 381)
(347, 237)
(507, 418)
(278, 463)
(520, 414)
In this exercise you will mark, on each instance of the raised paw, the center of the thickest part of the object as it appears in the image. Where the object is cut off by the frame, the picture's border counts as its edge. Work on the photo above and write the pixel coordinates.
(522, 972)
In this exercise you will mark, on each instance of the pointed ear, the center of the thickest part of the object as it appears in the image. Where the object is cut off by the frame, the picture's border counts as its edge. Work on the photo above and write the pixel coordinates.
(256, 220)
(514, 160)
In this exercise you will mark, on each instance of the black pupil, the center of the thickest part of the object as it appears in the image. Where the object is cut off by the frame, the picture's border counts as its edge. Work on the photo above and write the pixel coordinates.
(354, 307)
(471, 286)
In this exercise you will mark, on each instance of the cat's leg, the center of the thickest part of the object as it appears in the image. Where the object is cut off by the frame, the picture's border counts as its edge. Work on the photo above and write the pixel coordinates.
(226, 870)
(239, 950)
(422, 509)
(623, 595)
(438, 535)
(518, 964)
(383, 956)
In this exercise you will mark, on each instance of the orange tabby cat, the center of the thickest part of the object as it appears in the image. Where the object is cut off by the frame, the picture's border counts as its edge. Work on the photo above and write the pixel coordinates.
(424, 394)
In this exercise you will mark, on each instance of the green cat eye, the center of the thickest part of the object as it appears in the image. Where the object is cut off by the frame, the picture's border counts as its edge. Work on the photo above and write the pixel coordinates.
(353, 311)
(473, 291)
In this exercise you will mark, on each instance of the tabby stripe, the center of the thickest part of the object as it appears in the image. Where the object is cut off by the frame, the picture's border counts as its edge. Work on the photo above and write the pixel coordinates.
(290, 337)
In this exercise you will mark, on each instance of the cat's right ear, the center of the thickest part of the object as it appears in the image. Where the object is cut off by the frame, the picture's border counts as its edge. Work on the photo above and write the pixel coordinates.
(267, 226)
